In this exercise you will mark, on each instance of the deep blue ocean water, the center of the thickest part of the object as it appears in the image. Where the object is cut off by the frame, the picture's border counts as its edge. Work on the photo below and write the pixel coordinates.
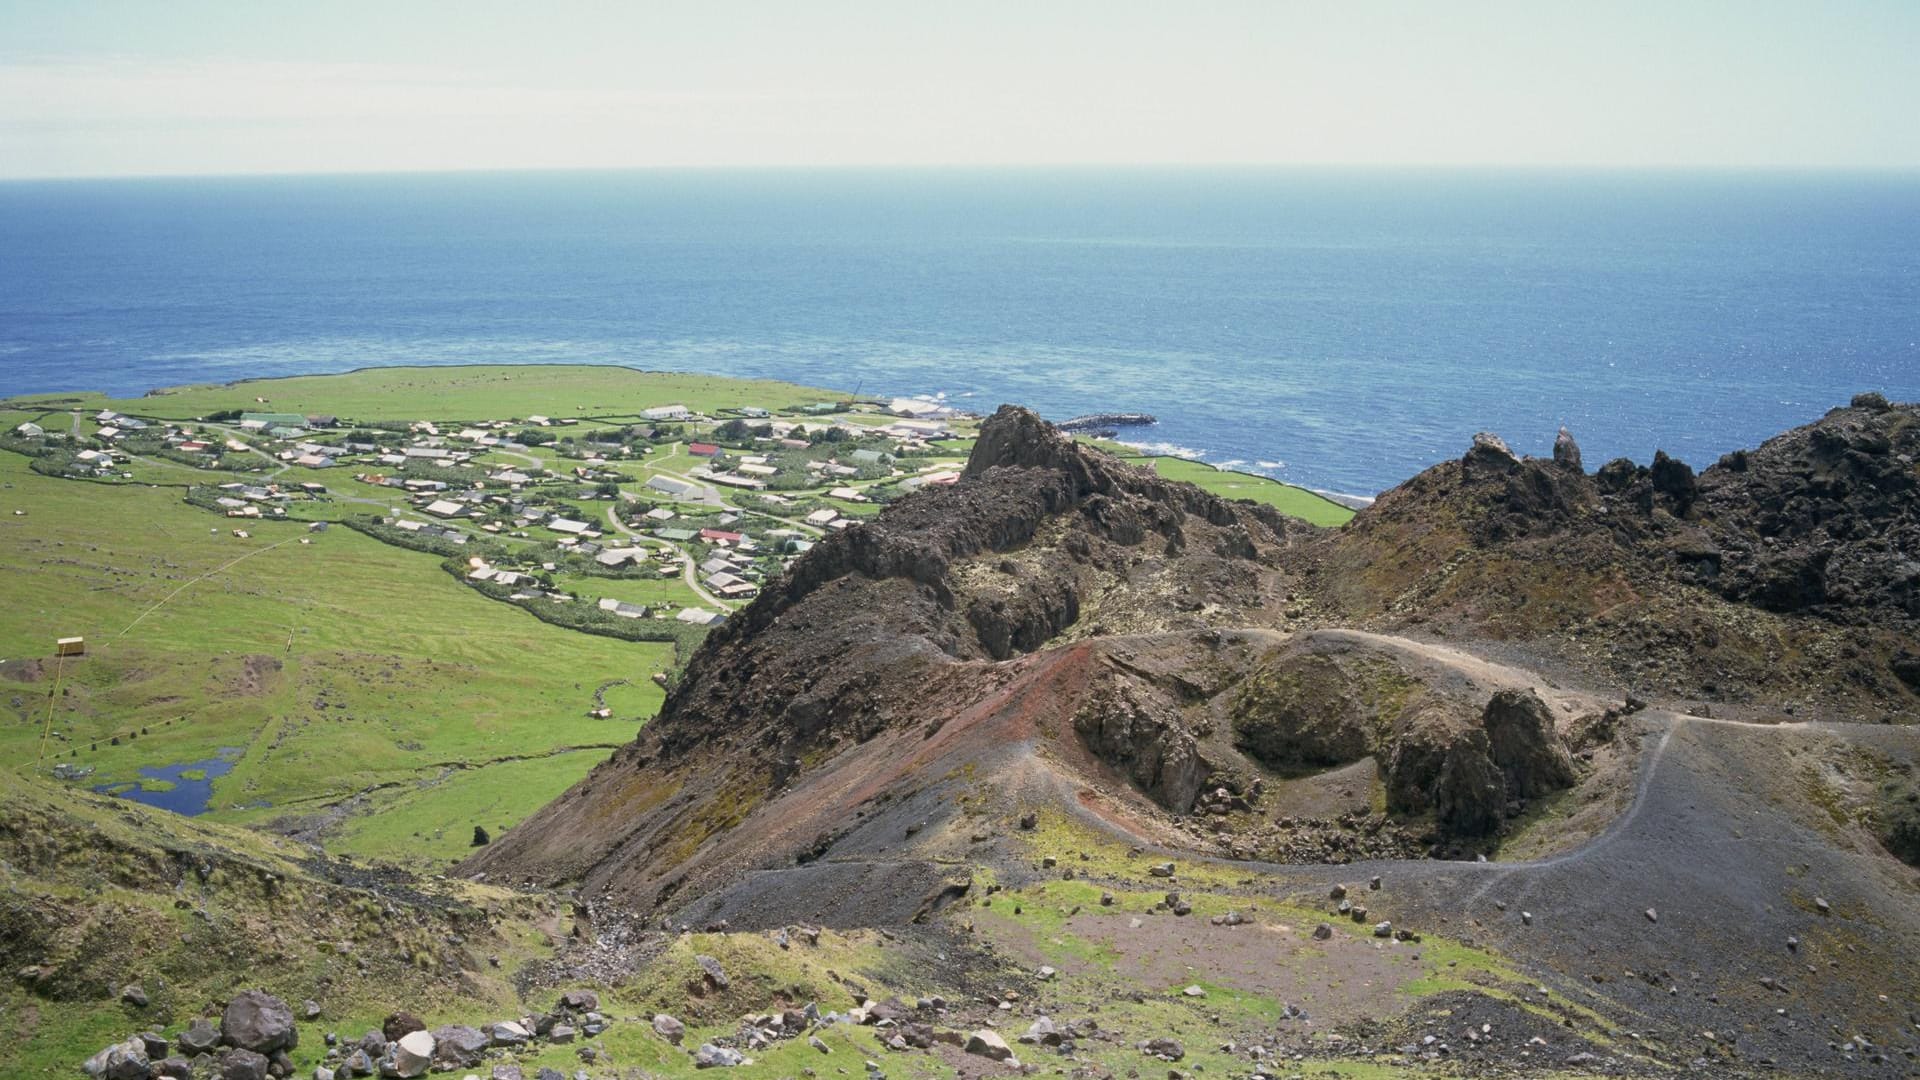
(1339, 329)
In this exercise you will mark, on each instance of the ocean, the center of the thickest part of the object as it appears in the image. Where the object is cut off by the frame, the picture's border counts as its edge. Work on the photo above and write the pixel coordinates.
(1339, 329)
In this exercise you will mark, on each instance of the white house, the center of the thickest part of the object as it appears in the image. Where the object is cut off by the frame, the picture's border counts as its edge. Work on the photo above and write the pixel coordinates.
(666, 412)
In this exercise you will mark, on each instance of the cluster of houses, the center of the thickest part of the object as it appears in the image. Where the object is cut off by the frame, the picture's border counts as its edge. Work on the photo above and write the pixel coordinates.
(484, 496)
(752, 471)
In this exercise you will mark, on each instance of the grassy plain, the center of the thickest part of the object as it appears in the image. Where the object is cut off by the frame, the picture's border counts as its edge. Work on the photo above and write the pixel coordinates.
(1288, 499)
(459, 392)
(340, 666)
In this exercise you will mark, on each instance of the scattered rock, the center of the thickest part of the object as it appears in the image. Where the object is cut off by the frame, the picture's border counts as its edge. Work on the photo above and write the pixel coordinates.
(1383, 929)
(1043, 1032)
(239, 1063)
(121, 1061)
(509, 1033)
(1164, 869)
(584, 1000)
(1322, 932)
(669, 1028)
(199, 1038)
(1652, 915)
(1164, 1049)
(987, 1043)
(134, 995)
(256, 1020)
(411, 1054)
(714, 973)
(456, 1046)
(814, 1041)
(400, 1023)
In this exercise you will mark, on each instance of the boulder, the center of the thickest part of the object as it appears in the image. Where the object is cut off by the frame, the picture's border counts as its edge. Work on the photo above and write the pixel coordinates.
(1164, 1049)
(199, 1038)
(1469, 795)
(506, 1072)
(987, 1043)
(714, 973)
(256, 1020)
(134, 995)
(1043, 1032)
(156, 1046)
(456, 1046)
(121, 1061)
(411, 1054)
(580, 1001)
(400, 1023)
(710, 1056)
(1489, 456)
(509, 1033)
(1440, 762)
(669, 1028)
(173, 1068)
(1322, 932)
(239, 1063)
(1523, 743)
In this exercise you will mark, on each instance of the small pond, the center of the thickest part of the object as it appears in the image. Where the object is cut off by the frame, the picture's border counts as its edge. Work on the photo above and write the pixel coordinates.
(184, 788)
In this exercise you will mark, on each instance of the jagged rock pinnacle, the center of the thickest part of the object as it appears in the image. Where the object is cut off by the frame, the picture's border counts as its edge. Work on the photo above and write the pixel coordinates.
(1566, 452)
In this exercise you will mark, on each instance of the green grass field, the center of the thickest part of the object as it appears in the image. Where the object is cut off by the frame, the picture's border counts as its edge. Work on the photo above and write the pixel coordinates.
(1286, 498)
(477, 392)
(341, 667)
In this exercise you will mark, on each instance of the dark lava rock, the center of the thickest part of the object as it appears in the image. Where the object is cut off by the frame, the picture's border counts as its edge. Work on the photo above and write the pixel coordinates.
(1146, 741)
(1566, 452)
(1524, 744)
(400, 1023)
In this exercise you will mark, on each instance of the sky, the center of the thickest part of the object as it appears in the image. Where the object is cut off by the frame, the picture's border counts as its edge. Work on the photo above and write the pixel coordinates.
(183, 87)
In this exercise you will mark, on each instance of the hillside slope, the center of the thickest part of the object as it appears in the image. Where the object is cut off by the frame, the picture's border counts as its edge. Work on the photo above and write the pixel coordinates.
(909, 720)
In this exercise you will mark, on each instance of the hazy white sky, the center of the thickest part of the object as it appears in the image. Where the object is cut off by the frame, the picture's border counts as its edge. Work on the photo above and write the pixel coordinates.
(92, 88)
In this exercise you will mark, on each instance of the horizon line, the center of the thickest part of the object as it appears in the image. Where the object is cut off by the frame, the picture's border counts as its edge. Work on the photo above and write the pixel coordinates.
(1009, 166)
